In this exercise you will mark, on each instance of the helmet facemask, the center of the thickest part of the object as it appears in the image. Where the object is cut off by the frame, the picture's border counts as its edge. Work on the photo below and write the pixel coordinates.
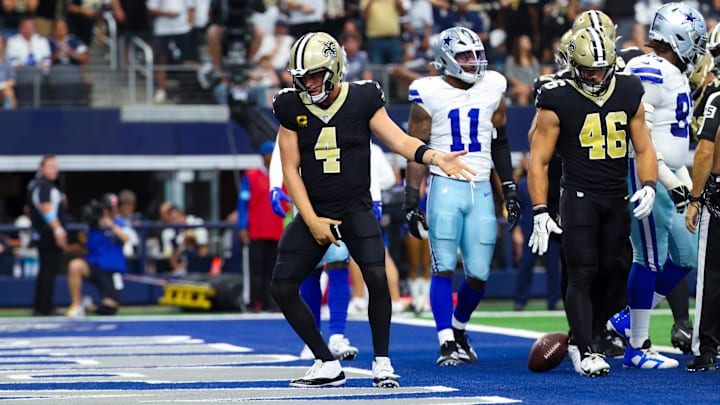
(562, 59)
(327, 85)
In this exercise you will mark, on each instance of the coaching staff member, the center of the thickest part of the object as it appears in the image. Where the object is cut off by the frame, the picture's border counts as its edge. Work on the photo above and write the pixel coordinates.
(48, 208)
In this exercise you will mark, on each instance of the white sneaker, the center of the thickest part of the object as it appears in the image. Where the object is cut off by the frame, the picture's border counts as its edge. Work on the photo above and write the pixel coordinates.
(75, 311)
(647, 358)
(160, 96)
(340, 348)
(398, 307)
(306, 353)
(357, 306)
(573, 354)
(594, 365)
(321, 374)
(383, 373)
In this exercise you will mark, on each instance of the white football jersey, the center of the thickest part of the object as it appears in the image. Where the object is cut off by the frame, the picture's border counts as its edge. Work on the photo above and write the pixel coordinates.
(668, 106)
(461, 119)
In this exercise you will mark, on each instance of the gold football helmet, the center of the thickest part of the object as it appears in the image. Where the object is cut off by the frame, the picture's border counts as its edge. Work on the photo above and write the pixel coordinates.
(713, 46)
(561, 55)
(312, 53)
(702, 68)
(592, 60)
(598, 20)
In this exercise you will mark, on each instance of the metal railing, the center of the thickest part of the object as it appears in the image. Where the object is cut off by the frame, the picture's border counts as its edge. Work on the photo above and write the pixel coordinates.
(144, 67)
(111, 39)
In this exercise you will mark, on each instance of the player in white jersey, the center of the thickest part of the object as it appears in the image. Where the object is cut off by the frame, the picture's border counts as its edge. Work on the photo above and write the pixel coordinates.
(336, 259)
(464, 109)
(677, 37)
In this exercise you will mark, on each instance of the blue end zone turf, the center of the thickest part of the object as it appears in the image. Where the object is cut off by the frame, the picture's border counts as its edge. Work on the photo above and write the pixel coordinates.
(179, 355)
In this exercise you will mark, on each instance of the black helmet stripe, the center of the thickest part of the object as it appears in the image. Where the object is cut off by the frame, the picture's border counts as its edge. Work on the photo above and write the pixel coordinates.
(300, 53)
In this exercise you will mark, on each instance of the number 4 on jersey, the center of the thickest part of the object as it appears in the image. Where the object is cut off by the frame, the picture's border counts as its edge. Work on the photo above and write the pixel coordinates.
(326, 149)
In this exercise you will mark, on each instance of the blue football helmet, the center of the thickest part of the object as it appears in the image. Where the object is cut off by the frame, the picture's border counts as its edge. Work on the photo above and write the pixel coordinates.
(683, 28)
(464, 43)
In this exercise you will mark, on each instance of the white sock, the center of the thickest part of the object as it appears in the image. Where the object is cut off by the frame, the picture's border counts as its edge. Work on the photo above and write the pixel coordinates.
(457, 324)
(639, 325)
(657, 299)
(445, 335)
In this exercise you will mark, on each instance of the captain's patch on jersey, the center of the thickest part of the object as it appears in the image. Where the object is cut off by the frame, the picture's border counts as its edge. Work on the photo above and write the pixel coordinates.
(709, 111)
(302, 120)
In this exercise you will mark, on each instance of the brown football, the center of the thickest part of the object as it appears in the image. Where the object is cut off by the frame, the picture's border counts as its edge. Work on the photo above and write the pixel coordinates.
(548, 351)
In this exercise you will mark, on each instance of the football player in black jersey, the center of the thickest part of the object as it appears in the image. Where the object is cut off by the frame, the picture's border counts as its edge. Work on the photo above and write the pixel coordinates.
(706, 171)
(589, 119)
(324, 139)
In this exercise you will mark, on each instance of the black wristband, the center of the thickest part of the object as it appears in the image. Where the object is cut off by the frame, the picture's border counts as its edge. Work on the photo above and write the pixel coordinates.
(540, 209)
(649, 183)
(419, 152)
(692, 198)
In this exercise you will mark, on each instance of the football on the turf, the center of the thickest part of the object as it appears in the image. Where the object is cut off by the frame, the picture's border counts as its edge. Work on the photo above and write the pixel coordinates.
(548, 351)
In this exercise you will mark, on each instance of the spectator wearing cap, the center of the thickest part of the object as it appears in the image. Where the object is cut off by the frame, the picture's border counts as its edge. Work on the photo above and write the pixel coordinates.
(104, 263)
(259, 229)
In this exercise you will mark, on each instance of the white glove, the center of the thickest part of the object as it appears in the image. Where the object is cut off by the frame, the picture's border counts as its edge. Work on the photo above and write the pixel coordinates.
(645, 198)
(542, 227)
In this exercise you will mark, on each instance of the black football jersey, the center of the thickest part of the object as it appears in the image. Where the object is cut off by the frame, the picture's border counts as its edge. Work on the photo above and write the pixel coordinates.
(541, 80)
(701, 96)
(334, 145)
(707, 113)
(593, 140)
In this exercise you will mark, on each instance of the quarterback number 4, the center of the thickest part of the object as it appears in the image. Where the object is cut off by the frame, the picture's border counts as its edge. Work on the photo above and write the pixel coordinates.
(600, 145)
(474, 115)
(326, 149)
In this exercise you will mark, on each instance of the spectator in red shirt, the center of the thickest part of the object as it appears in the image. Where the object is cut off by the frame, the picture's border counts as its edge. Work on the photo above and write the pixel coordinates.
(259, 229)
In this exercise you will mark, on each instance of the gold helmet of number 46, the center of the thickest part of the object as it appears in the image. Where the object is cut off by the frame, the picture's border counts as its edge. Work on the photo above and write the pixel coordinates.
(598, 20)
(316, 53)
(592, 60)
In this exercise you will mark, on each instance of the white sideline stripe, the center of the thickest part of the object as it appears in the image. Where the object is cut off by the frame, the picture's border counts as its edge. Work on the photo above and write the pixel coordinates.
(85, 163)
(175, 113)
(523, 333)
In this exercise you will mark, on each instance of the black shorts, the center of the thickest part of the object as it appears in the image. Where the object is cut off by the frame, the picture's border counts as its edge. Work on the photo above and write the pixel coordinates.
(105, 281)
(299, 254)
(170, 45)
(595, 229)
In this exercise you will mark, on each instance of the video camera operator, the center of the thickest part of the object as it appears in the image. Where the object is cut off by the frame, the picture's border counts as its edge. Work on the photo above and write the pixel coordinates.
(232, 33)
(104, 263)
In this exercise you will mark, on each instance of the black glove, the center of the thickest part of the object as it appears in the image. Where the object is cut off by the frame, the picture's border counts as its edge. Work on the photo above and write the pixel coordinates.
(512, 202)
(680, 196)
(415, 218)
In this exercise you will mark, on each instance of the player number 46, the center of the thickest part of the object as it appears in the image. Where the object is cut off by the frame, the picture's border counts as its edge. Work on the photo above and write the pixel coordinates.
(613, 144)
